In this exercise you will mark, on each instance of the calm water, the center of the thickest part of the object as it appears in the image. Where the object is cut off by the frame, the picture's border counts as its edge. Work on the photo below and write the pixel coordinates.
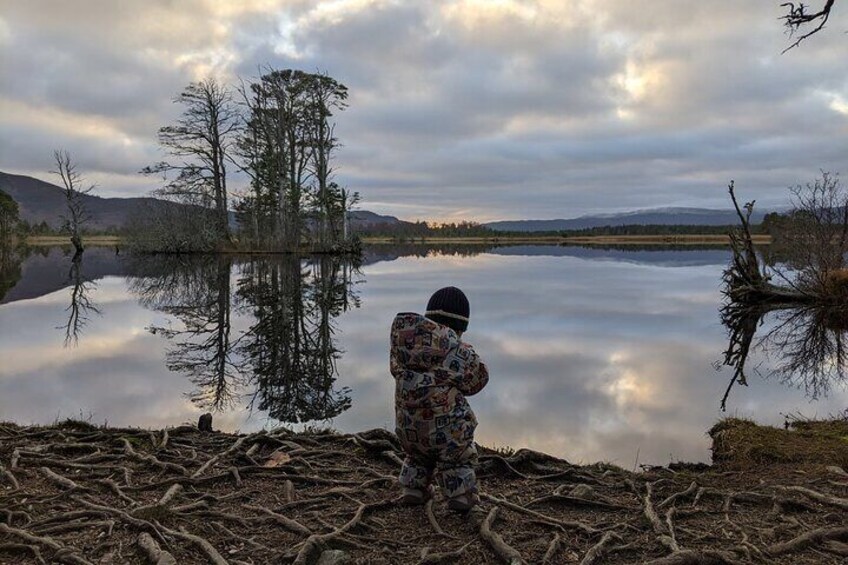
(594, 354)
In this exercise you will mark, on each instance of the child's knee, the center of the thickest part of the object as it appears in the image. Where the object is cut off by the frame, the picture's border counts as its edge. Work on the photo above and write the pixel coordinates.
(459, 454)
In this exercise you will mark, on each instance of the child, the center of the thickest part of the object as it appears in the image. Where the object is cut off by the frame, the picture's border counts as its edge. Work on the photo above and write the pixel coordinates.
(434, 372)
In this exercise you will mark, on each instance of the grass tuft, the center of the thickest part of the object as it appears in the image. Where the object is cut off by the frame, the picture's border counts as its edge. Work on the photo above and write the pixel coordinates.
(740, 443)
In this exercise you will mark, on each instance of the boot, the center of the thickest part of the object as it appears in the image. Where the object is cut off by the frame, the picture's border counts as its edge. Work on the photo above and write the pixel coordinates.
(416, 497)
(464, 502)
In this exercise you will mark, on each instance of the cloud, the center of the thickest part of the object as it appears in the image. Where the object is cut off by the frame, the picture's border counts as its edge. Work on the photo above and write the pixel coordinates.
(484, 109)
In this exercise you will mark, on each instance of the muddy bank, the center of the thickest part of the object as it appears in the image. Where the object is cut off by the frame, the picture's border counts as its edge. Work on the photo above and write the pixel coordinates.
(75, 493)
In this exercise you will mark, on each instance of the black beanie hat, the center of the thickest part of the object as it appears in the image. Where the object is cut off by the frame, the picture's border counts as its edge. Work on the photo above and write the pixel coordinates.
(449, 306)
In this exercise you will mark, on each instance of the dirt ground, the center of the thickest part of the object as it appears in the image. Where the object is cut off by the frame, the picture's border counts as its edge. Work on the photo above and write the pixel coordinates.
(75, 493)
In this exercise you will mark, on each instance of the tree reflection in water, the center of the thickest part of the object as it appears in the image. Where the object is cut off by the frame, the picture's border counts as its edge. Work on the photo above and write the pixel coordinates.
(802, 345)
(284, 363)
(196, 291)
(290, 350)
(81, 306)
(11, 258)
(808, 345)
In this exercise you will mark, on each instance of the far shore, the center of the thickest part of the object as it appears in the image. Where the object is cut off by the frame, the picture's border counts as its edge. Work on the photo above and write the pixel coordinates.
(51, 240)
(689, 239)
(693, 239)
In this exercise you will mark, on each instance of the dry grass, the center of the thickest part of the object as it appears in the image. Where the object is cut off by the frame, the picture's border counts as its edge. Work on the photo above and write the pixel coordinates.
(739, 443)
(93, 240)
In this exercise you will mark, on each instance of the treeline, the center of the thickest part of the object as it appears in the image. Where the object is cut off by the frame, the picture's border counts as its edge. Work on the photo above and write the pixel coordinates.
(647, 229)
(420, 229)
(277, 130)
(417, 230)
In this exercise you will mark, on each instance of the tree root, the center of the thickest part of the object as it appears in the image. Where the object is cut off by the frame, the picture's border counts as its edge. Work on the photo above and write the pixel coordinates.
(566, 524)
(19, 547)
(428, 558)
(692, 489)
(808, 539)
(552, 549)
(686, 557)
(504, 551)
(60, 480)
(152, 459)
(598, 551)
(214, 557)
(10, 477)
(431, 517)
(287, 523)
(332, 494)
(232, 449)
(815, 495)
(61, 552)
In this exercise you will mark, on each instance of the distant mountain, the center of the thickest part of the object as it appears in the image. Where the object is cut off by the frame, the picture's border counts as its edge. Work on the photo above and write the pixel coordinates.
(41, 201)
(364, 218)
(656, 216)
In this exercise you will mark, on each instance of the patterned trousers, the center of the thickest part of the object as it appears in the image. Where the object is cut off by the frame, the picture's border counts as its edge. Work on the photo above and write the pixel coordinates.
(453, 468)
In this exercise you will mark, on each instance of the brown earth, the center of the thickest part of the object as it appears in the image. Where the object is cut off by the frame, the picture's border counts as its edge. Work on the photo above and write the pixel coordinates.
(75, 493)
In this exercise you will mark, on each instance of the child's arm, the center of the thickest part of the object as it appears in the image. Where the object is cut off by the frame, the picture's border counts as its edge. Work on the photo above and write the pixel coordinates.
(476, 374)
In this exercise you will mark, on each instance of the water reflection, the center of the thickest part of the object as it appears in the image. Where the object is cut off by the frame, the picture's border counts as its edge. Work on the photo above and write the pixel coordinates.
(290, 351)
(81, 306)
(10, 268)
(195, 291)
(285, 361)
(799, 342)
(595, 353)
(802, 346)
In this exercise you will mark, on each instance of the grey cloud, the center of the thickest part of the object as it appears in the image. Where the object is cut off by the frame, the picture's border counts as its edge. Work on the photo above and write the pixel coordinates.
(498, 116)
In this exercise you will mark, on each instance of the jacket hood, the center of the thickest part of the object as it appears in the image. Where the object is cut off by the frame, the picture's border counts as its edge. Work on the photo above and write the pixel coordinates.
(419, 342)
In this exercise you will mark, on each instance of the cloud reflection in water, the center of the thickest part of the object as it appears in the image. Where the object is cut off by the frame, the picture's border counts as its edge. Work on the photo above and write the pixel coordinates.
(592, 358)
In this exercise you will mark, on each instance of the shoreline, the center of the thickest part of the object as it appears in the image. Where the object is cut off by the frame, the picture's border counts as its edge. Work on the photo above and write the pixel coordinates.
(84, 494)
(558, 240)
(694, 239)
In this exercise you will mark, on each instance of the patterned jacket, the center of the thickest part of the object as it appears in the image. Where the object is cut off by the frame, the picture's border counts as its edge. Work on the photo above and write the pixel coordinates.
(434, 372)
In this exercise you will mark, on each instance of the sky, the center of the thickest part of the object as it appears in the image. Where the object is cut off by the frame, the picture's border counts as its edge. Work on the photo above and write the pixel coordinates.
(461, 109)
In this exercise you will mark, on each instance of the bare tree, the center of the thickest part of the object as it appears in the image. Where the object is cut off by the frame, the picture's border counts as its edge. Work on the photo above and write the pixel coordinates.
(201, 141)
(75, 193)
(798, 18)
(815, 235)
